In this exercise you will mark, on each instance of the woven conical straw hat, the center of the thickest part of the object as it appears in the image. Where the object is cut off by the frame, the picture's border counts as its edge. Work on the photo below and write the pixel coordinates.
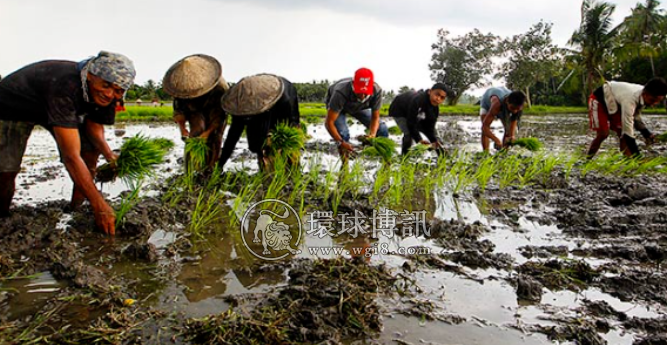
(193, 76)
(253, 95)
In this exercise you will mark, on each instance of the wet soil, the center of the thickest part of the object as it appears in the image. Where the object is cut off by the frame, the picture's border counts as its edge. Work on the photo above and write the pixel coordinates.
(576, 259)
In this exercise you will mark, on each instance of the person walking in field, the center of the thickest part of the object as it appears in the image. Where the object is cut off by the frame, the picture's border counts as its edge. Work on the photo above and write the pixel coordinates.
(359, 97)
(618, 106)
(197, 85)
(505, 105)
(257, 104)
(73, 101)
(417, 111)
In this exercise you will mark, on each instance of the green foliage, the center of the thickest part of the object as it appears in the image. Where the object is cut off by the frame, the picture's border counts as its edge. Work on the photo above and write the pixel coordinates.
(286, 140)
(127, 203)
(530, 143)
(462, 61)
(594, 38)
(661, 138)
(138, 157)
(382, 147)
(196, 150)
(395, 130)
(164, 143)
(532, 58)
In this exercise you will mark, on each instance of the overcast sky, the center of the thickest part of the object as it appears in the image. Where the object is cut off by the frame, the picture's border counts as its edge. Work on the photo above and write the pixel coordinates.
(302, 40)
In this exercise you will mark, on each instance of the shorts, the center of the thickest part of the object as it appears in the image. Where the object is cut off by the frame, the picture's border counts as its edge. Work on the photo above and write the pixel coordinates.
(14, 141)
(599, 118)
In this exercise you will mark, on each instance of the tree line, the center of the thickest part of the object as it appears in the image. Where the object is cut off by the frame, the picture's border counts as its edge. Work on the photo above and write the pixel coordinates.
(634, 51)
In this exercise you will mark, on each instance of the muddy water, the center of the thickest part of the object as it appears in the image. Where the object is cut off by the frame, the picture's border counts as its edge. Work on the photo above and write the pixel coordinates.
(477, 305)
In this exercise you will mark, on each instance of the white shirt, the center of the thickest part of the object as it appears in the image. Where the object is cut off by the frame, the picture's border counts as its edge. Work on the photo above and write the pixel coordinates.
(629, 98)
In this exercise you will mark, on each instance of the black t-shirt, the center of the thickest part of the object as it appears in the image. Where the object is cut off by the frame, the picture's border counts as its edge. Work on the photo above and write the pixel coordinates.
(416, 107)
(258, 126)
(50, 93)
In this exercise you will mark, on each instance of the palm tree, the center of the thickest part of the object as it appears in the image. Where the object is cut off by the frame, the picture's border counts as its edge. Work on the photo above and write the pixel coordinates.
(594, 38)
(642, 32)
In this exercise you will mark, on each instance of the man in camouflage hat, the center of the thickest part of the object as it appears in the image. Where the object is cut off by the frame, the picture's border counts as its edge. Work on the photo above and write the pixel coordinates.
(197, 85)
(73, 101)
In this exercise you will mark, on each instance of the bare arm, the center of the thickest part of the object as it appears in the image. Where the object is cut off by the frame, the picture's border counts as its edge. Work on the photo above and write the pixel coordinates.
(511, 136)
(329, 123)
(95, 132)
(70, 148)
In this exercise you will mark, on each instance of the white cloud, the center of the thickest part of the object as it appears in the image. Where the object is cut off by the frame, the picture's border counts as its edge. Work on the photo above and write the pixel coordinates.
(302, 40)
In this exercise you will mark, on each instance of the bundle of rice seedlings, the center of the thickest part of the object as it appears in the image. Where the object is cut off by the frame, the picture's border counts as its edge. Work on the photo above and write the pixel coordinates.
(138, 156)
(530, 143)
(195, 151)
(395, 130)
(382, 147)
(286, 140)
(661, 138)
(164, 143)
(304, 129)
(419, 150)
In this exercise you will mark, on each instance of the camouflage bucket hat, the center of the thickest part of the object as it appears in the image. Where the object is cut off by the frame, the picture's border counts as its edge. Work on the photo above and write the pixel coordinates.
(193, 76)
(253, 95)
(114, 68)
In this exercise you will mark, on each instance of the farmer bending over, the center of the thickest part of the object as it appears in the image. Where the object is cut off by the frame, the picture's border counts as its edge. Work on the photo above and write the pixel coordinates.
(197, 86)
(72, 101)
(417, 111)
(618, 105)
(500, 103)
(359, 97)
(257, 104)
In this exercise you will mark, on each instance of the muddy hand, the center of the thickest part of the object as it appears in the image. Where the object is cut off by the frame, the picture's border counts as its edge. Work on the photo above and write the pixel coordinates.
(105, 218)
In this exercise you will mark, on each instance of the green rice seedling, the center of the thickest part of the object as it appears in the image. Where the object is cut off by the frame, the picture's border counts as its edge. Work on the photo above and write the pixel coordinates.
(138, 157)
(164, 143)
(417, 151)
(487, 168)
(549, 163)
(382, 147)
(661, 138)
(206, 211)
(568, 165)
(395, 130)
(408, 172)
(127, 203)
(286, 140)
(304, 129)
(653, 165)
(244, 197)
(382, 176)
(533, 167)
(461, 174)
(196, 150)
(530, 143)
(395, 191)
(509, 170)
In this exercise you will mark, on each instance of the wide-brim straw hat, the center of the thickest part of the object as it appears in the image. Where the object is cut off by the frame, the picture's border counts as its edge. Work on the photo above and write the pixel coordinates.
(253, 95)
(193, 76)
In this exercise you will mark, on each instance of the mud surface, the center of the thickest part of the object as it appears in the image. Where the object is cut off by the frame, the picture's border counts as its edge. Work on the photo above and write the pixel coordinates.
(571, 259)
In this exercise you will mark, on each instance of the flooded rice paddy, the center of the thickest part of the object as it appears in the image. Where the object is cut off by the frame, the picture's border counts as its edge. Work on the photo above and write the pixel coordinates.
(573, 256)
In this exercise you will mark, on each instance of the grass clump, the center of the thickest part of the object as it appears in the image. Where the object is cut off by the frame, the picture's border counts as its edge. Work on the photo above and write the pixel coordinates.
(196, 150)
(138, 157)
(530, 143)
(395, 130)
(286, 140)
(382, 147)
(661, 138)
